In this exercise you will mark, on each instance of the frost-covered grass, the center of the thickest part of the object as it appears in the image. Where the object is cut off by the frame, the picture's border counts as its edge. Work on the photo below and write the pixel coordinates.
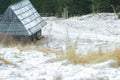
(34, 65)
(7, 62)
(70, 54)
(91, 57)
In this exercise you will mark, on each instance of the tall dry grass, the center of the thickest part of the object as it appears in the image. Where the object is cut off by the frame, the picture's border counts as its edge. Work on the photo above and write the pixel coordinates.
(93, 57)
(70, 53)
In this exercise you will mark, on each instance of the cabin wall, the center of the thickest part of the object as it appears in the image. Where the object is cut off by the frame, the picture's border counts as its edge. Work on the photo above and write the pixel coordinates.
(36, 36)
(7, 39)
(9, 17)
(24, 39)
(22, 19)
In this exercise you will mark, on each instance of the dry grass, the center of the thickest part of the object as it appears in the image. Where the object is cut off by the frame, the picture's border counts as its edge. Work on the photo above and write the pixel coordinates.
(7, 62)
(70, 54)
(48, 51)
(20, 46)
(58, 77)
(93, 57)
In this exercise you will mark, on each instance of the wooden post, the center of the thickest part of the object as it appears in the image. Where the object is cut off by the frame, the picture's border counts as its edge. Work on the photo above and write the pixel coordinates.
(36, 36)
(31, 37)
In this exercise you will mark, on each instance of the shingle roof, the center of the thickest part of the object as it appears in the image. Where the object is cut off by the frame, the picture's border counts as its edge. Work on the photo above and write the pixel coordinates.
(27, 22)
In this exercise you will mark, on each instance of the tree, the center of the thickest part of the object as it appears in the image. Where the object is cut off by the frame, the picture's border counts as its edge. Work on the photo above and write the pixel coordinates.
(14, 1)
(4, 5)
(79, 7)
(60, 5)
(101, 5)
(115, 3)
(74, 7)
(48, 6)
(38, 4)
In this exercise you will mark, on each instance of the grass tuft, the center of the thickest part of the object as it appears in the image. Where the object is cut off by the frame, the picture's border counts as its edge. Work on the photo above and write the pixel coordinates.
(7, 62)
(70, 53)
(93, 57)
(48, 51)
(58, 77)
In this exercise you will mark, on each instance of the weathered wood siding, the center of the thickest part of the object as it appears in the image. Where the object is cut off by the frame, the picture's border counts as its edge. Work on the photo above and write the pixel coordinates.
(21, 19)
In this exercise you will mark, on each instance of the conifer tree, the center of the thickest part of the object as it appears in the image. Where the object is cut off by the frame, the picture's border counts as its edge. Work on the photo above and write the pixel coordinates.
(78, 7)
(4, 5)
(14, 1)
(101, 5)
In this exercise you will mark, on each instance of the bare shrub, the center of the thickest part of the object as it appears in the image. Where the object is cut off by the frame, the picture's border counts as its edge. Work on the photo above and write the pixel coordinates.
(116, 10)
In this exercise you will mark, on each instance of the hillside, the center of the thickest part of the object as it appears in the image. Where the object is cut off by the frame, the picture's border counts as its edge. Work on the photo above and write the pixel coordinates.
(90, 32)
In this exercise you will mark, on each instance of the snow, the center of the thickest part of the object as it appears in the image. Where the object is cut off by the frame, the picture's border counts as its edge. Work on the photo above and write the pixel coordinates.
(92, 32)
(33, 65)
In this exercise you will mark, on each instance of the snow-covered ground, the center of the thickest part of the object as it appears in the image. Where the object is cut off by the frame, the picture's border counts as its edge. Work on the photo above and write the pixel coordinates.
(91, 32)
(33, 65)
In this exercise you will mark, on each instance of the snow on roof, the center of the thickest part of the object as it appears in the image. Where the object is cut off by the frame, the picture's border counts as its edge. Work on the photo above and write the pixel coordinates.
(26, 15)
